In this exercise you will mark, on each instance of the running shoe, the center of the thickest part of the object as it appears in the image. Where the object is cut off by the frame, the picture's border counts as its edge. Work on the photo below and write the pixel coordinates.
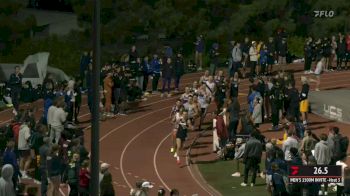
(175, 155)
(178, 160)
(172, 150)
(243, 184)
(237, 174)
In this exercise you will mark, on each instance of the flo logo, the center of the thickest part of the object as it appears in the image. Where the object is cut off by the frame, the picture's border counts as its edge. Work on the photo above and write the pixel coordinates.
(294, 170)
(323, 14)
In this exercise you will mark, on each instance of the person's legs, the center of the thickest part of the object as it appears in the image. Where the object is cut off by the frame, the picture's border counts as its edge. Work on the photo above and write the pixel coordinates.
(76, 112)
(255, 167)
(164, 80)
(246, 170)
(44, 182)
(200, 57)
(169, 83)
(58, 132)
(28, 161)
(73, 189)
(145, 82)
(177, 82)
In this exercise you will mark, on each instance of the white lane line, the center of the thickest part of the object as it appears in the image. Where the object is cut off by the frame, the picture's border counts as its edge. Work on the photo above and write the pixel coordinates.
(131, 141)
(155, 162)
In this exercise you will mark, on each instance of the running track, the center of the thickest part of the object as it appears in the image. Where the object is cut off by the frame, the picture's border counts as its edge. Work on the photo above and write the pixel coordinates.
(137, 145)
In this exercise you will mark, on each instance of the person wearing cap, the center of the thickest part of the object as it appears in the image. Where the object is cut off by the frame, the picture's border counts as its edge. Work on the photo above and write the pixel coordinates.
(214, 58)
(106, 186)
(253, 58)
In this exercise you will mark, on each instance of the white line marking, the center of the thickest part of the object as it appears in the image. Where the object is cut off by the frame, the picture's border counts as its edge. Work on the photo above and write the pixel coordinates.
(155, 162)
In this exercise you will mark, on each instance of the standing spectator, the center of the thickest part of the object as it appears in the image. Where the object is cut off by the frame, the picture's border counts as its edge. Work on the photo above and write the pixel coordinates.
(253, 97)
(234, 86)
(84, 63)
(257, 112)
(15, 84)
(252, 157)
(253, 58)
(214, 58)
(89, 86)
(57, 124)
(326, 51)
(52, 109)
(54, 167)
(9, 157)
(271, 48)
(341, 52)
(304, 102)
(24, 148)
(133, 55)
(167, 73)
(221, 129)
(70, 100)
(233, 110)
(107, 182)
(347, 41)
(334, 50)
(307, 57)
(84, 179)
(236, 59)
(245, 50)
(199, 52)
(146, 70)
(6, 185)
(72, 175)
(155, 64)
(323, 155)
(179, 69)
(308, 143)
(294, 108)
(282, 50)
(48, 85)
(342, 163)
(44, 152)
(138, 73)
(263, 60)
(108, 84)
(77, 105)
(289, 143)
(239, 153)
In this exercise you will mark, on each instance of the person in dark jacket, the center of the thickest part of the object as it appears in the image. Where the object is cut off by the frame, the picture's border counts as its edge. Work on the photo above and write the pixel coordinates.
(89, 86)
(133, 55)
(44, 152)
(167, 73)
(214, 58)
(341, 51)
(77, 105)
(252, 157)
(179, 70)
(271, 48)
(233, 110)
(282, 50)
(294, 108)
(72, 175)
(106, 185)
(308, 57)
(15, 84)
(276, 97)
(9, 157)
(54, 170)
(155, 64)
(84, 63)
(146, 70)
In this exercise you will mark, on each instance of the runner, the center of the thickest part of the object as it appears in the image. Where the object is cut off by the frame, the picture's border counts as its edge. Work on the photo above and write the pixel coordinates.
(181, 134)
(175, 115)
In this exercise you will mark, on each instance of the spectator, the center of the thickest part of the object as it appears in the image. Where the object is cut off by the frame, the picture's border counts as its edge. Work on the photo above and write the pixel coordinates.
(271, 48)
(282, 50)
(179, 69)
(233, 110)
(77, 105)
(291, 142)
(44, 153)
(263, 60)
(236, 59)
(57, 124)
(146, 70)
(133, 55)
(253, 58)
(24, 148)
(155, 64)
(257, 112)
(199, 52)
(6, 185)
(221, 129)
(54, 166)
(108, 84)
(84, 63)
(239, 153)
(15, 83)
(214, 58)
(71, 176)
(120, 91)
(307, 56)
(52, 109)
(84, 178)
(167, 73)
(70, 98)
(308, 143)
(341, 53)
(245, 50)
(9, 157)
(278, 185)
(323, 155)
(252, 157)
(106, 183)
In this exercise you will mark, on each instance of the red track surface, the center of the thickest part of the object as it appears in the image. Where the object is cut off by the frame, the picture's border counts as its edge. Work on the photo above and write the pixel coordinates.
(137, 145)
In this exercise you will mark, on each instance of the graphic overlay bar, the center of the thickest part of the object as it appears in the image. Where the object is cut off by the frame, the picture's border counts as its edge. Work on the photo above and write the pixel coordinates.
(314, 174)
